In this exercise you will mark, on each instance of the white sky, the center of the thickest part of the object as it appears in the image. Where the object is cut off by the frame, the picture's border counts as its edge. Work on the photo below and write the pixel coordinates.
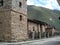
(51, 4)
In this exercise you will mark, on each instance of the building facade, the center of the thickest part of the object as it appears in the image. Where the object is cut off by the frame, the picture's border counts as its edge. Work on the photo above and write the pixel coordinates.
(14, 24)
(37, 29)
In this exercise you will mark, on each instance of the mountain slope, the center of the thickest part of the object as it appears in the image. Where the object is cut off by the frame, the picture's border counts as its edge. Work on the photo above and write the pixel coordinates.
(44, 15)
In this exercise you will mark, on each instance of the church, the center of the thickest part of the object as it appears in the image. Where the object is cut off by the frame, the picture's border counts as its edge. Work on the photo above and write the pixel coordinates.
(16, 26)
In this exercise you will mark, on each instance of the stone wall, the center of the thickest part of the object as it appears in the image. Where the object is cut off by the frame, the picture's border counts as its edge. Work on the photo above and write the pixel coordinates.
(34, 31)
(38, 27)
(5, 25)
(6, 4)
(11, 28)
(22, 9)
(19, 27)
(32, 25)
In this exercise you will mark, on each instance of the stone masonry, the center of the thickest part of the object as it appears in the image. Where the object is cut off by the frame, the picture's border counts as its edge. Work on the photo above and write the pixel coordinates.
(11, 27)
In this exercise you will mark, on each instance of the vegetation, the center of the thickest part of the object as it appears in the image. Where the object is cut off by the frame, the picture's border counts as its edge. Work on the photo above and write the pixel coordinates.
(45, 15)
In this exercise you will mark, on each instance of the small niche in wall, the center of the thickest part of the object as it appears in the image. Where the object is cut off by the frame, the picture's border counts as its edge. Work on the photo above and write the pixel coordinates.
(20, 17)
(59, 18)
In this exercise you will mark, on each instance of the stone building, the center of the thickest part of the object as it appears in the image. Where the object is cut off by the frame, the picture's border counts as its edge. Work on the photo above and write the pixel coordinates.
(15, 25)
(13, 20)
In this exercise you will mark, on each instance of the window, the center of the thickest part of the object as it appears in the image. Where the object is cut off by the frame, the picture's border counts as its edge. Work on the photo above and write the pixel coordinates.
(20, 17)
(20, 4)
(1, 2)
(59, 18)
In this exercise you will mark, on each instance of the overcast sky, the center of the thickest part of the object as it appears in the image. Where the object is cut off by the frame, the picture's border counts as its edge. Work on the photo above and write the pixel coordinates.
(51, 4)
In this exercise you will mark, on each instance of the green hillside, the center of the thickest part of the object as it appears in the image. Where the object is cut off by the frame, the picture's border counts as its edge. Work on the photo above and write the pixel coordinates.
(44, 15)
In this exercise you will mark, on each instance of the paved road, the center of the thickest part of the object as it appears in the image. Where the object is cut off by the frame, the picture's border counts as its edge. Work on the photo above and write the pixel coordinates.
(52, 41)
(49, 41)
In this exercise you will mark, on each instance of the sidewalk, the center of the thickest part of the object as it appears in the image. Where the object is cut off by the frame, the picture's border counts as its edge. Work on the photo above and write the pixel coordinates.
(31, 42)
